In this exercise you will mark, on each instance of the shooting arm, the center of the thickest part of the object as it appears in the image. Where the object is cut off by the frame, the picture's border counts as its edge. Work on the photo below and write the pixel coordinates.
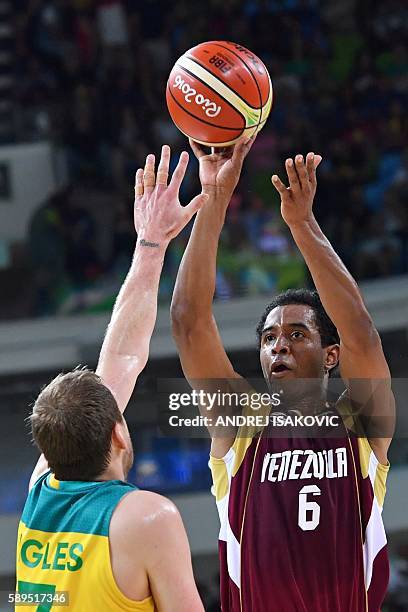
(193, 324)
(195, 331)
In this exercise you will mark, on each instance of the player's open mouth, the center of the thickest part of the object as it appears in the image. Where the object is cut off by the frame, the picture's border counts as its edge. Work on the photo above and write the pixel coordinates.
(278, 370)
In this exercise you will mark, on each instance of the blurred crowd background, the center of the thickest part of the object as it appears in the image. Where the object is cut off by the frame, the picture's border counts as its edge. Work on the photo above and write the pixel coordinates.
(91, 76)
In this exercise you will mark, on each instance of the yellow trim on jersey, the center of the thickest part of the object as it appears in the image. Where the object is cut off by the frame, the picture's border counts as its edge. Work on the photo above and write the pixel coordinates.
(352, 422)
(220, 477)
(240, 447)
(78, 563)
(380, 488)
(381, 472)
(246, 433)
(53, 482)
(364, 450)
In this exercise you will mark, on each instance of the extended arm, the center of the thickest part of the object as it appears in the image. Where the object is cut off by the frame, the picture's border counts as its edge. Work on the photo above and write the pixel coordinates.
(126, 345)
(194, 328)
(158, 218)
(361, 354)
(193, 324)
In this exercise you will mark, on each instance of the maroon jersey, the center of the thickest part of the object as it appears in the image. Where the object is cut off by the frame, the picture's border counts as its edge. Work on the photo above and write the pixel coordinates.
(301, 526)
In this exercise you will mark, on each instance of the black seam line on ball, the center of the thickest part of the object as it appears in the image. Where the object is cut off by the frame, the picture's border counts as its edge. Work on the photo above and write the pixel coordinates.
(250, 70)
(198, 62)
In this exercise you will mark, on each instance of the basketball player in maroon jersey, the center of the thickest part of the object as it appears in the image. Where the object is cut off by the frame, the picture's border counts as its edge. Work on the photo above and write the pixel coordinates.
(301, 527)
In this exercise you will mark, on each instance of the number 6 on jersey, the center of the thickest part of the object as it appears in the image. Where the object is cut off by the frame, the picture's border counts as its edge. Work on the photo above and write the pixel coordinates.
(305, 506)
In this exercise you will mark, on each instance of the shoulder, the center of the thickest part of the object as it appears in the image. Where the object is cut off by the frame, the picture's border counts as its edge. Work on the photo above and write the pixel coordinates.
(141, 531)
(142, 513)
(145, 502)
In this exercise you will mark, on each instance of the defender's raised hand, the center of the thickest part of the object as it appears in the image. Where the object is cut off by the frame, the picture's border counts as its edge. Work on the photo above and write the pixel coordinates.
(158, 215)
(220, 171)
(297, 199)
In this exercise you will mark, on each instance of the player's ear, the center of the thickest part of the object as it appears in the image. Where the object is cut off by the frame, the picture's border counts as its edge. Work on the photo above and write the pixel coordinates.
(332, 354)
(118, 436)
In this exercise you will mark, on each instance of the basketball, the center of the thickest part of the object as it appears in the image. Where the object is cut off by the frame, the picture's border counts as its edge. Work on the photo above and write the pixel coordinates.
(217, 92)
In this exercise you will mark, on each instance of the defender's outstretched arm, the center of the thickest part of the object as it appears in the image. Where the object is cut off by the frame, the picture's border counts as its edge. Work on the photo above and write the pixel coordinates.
(159, 217)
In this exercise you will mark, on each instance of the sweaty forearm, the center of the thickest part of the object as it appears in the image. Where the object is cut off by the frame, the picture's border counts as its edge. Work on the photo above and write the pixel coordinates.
(195, 285)
(338, 290)
(134, 314)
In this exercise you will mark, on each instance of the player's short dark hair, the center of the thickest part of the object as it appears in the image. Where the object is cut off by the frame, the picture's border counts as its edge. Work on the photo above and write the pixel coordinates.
(328, 331)
(72, 422)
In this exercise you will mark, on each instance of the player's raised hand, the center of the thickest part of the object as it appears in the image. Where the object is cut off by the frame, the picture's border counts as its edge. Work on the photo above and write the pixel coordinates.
(220, 170)
(158, 214)
(297, 199)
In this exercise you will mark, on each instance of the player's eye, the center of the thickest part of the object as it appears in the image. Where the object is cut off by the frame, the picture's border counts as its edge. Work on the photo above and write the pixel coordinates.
(269, 338)
(297, 334)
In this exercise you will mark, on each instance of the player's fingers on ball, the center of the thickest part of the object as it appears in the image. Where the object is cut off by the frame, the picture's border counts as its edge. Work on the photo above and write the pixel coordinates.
(163, 169)
(248, 143)
(139, 183)
(292, 175)
(277, 183)
(197, 150)
(179, 172)
(242, 148)
(302, 172)
(238, 153)
(149, 178)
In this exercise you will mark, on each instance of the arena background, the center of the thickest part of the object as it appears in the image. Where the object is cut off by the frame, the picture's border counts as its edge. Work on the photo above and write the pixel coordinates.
(82, 102)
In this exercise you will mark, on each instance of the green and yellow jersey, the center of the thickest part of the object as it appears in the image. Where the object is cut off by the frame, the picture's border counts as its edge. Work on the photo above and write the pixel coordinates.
(63, 546)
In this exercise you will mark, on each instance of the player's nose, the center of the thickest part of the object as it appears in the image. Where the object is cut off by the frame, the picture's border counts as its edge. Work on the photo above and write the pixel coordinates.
(281, 346)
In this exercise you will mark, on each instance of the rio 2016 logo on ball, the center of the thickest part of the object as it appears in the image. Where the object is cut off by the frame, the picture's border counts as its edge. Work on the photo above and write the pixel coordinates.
(217, 92)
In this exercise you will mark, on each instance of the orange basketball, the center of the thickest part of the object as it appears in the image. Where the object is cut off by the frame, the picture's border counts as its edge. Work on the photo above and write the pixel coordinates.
(217, 92)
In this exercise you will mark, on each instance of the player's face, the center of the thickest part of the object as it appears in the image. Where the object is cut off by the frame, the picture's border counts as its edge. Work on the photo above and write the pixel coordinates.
(291, 345)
